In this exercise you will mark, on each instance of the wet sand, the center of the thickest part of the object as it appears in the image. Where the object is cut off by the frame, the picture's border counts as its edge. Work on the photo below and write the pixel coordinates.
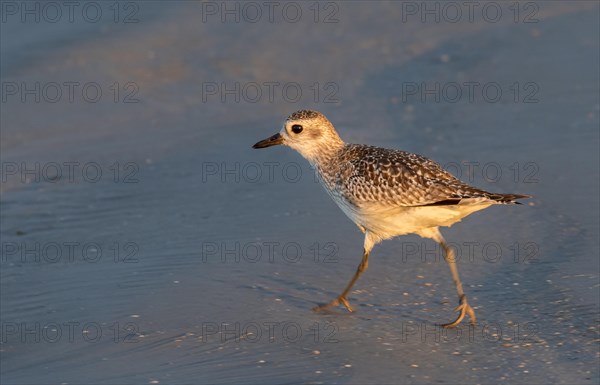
(194, 259)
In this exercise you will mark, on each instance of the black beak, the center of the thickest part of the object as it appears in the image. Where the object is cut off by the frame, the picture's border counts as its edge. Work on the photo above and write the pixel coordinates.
(272, 141)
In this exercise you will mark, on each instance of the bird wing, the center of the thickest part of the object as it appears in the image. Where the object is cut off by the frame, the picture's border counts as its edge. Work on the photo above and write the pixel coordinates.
(402, 179)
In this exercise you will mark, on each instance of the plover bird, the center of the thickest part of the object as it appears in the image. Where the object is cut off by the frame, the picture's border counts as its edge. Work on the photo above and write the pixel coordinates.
(386, 192)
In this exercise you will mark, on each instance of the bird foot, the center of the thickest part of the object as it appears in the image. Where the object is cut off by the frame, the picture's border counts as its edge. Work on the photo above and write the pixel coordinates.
(333, 303)
(463, 308)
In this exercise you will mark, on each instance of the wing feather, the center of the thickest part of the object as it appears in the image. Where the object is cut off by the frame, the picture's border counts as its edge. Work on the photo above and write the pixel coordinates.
(403, 179)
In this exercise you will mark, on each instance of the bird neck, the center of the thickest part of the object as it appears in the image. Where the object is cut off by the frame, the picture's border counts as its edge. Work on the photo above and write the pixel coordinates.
(325, 152)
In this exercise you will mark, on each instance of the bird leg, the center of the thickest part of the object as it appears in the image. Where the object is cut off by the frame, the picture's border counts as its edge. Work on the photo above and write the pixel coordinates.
(463, 308)
(343, 298)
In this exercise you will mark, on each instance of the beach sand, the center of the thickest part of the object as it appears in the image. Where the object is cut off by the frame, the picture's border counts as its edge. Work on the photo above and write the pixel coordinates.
(175, 253)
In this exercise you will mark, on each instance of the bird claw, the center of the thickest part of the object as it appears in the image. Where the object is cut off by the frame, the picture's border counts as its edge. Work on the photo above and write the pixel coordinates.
(336, 302)
(346, 304)
(464, 309)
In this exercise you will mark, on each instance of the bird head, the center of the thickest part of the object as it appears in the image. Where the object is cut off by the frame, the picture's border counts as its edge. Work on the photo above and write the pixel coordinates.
(308, 132)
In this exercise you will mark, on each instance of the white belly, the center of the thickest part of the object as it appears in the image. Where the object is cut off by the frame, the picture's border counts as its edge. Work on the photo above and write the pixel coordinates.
(387, 222)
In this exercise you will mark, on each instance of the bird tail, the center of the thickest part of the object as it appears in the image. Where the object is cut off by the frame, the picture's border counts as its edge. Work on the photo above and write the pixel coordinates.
(508, 198)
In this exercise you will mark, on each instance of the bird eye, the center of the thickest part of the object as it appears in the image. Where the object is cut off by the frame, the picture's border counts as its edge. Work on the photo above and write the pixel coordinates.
(296, 128)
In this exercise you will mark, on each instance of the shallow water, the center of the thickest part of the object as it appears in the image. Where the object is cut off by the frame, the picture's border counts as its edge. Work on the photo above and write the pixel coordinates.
(194, 259)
